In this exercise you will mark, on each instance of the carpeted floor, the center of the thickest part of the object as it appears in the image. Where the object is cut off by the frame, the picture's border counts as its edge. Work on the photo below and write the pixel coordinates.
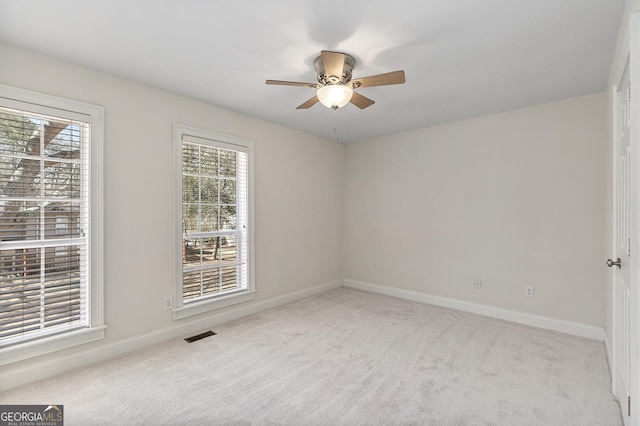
(346, 357)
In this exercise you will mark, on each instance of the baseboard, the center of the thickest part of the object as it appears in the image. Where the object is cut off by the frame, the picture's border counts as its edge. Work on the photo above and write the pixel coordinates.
(548, 323)
(607, 349)
(610, 364)
(55, 365)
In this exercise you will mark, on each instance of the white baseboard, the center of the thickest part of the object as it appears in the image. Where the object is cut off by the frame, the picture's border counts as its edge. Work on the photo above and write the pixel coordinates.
(610, 364)
(548, 323)
(607, 349)
(54, 365)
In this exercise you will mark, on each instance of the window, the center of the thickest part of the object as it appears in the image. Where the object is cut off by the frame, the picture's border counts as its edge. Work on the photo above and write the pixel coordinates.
(50, 228)
(213, 226)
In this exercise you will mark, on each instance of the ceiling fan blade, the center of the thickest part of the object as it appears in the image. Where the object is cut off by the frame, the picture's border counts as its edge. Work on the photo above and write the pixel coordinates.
(291, 83)
(308, 104)
(393, 77)
(333, 63)
(360, 101)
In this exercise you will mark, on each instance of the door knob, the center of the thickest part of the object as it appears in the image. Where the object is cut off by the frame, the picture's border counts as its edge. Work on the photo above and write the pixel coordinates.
(610, 263)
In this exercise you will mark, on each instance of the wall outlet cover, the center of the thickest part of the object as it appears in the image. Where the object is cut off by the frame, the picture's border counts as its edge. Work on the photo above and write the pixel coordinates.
(168, 303)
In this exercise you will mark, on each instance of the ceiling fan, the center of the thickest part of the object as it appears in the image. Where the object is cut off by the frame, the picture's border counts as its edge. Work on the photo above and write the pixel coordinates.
(335, 88)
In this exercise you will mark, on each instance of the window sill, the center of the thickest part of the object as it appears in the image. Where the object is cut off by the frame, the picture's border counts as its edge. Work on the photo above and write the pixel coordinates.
(46, 345)
(219, 302)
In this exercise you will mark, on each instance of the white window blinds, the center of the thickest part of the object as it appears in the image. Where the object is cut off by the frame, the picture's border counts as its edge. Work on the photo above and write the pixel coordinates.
(44, 220)
(214, 218)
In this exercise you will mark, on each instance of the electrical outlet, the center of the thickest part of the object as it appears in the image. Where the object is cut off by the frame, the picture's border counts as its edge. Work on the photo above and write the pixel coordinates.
(477, 283)
(168, 303)
(528, 291)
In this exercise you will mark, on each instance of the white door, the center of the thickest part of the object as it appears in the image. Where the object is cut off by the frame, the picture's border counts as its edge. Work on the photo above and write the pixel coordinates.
(622, 247)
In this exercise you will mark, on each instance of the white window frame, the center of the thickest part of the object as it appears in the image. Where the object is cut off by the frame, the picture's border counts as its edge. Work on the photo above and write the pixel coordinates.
(21, 99)
(213, 302)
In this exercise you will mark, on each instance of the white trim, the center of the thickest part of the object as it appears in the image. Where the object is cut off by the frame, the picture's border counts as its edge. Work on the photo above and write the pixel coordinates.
(93, 114)
(615, 159)
(42, 103)
(548, 323)
(96, 221)
(45, 345)
(607, 349)
(621, 54)
(216, 302)
(62, 363)
(634, 231)
(208, 135)
(180, 132)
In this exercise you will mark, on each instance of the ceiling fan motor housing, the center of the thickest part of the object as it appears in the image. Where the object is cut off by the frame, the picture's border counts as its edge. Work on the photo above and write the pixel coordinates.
(345, 78)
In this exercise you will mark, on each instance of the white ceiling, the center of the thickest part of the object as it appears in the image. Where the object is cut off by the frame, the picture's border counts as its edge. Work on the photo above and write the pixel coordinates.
(462, 58)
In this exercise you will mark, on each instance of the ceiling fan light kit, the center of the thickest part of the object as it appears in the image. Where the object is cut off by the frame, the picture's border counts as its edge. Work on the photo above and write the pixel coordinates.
(334, 96)
(335, 87)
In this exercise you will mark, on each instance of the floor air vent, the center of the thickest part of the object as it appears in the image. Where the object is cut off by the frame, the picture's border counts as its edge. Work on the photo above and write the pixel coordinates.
(199, 336)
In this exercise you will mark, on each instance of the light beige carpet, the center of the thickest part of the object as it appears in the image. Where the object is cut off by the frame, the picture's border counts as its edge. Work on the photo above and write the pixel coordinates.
(346, 357)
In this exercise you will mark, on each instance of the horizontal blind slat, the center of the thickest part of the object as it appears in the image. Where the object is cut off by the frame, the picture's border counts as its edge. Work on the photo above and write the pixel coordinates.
(44, 218)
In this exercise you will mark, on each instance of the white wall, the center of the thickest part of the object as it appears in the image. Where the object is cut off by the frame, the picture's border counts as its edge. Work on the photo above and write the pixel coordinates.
(298, 204)
(515, 199)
